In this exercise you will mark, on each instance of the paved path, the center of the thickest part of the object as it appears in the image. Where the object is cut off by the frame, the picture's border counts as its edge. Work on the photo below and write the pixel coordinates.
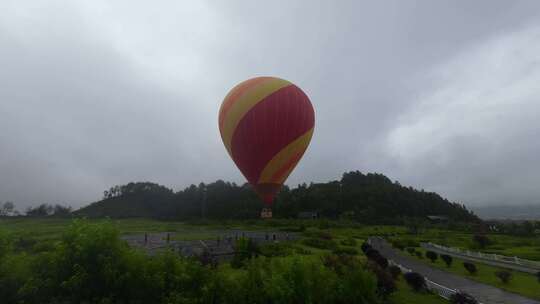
(485, 294)
(220, 246)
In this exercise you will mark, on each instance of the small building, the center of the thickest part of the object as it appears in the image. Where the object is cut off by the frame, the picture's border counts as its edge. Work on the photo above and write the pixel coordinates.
(437, 218)
(266, 213)
(308, 215)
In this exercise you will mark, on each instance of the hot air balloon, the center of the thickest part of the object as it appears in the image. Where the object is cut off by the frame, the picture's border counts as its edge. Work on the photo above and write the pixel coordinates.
(266, 124)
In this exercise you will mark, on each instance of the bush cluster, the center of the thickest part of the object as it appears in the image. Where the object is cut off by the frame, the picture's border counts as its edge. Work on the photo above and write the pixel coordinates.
(432, 255)
(345, 250)
(348, 242)
(324, 235)
(394, 271)
(470, 267)
(415, 280)
(462, 298)
(90, 264)
(320, 243)
(447, 259)
(376, 257)
(504, 276)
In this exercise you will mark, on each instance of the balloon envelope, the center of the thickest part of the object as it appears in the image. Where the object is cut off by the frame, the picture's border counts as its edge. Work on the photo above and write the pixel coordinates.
(266, 124)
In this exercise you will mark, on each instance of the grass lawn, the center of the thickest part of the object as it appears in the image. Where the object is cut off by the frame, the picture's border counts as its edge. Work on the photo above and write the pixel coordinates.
(405, 295)
(521, 283)
(523, 247)
(51, 229)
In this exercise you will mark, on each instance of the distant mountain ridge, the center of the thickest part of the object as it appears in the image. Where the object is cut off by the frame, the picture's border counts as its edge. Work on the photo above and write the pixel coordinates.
(369, 198)
(517, 212)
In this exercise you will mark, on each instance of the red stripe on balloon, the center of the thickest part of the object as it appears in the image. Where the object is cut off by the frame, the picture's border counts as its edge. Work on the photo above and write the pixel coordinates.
(268, 127)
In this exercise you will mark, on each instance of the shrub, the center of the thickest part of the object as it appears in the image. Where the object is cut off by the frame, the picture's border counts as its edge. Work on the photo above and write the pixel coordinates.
(385, 282)
(324, 224)
(325, 235)
(372, 253)
(5, 243)
(447, 259)
(398, 244)
(381, 261)
(320, 243)
(348, 242)
(206, 258)
(355, 285)
(302, 250)
(462, 298)
(291, 280)
(504, 276)
(415, 280)
(345, 250)
(413, 243)
(410, 250)
(24, 244)
(339, 263)
(394, 271)
(300, 228)
(365, 246)
(244, 249)
(481, 240)
(91, 264)
(276, 249)
(318, 234)
(238, 260)
(432, 255)
(419, 254)
(470, 267)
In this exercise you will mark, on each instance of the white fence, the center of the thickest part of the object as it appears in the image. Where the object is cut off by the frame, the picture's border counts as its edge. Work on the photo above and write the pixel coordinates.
(485, 256)
(441, 290)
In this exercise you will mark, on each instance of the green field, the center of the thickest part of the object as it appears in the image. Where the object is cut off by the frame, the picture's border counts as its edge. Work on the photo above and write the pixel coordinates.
(51, 229)
(509, 245)
(35, 236)
(521, 283)
(406, 296)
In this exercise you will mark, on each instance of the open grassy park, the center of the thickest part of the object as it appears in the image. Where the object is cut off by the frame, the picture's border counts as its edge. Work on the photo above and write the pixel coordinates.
(39, 248)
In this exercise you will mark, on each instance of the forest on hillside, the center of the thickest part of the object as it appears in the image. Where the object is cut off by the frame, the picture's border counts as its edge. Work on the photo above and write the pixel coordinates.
(370, 198)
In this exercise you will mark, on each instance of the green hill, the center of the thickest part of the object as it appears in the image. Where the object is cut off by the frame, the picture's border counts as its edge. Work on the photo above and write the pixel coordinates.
(368, 198)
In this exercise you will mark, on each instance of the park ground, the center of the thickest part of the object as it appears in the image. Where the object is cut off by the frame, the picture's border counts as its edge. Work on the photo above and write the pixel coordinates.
(31, 232)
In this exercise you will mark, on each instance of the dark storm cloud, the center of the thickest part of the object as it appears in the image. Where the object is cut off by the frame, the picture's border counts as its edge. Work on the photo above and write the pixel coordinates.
(98, 93)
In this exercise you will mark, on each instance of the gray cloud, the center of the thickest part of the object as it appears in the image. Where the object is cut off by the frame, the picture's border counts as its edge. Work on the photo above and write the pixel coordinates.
(439, 95)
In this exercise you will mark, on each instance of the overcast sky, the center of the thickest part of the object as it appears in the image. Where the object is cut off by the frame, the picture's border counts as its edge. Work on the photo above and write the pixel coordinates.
(440, 95)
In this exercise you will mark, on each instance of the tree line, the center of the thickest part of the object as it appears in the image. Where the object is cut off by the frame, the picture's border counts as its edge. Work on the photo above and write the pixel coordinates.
(369, 198)
(8, 209)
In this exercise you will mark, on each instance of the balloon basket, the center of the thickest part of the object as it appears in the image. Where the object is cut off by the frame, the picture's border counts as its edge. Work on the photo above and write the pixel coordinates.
(266, 213)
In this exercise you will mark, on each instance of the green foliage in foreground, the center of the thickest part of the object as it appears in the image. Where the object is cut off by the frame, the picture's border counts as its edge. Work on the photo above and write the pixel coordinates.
(90, 264)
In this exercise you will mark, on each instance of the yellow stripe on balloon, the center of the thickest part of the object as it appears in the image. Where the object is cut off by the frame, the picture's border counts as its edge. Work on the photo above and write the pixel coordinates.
(279, 160)
(244, 103)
